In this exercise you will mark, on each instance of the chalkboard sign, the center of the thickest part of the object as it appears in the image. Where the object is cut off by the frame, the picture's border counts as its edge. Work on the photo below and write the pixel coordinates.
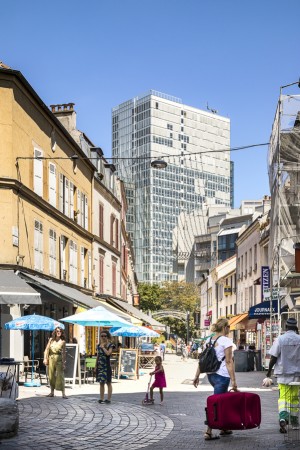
(128, 362)
(72, 370)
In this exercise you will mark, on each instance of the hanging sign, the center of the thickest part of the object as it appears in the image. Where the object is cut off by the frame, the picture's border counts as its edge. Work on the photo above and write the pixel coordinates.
(265, 279)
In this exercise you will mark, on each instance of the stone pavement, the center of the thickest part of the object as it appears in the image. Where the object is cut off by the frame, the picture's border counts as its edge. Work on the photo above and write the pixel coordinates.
(80, 422)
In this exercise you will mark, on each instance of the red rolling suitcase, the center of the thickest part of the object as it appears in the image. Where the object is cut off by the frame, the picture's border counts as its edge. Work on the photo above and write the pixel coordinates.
(233, 411)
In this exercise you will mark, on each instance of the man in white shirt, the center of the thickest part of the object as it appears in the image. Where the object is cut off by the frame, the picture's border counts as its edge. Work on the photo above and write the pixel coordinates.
(285, 358)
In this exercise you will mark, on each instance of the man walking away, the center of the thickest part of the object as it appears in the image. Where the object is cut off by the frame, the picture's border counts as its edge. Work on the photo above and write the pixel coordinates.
(285, 356)
(162, 349)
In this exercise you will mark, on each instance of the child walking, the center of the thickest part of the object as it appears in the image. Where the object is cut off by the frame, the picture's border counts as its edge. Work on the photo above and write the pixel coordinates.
(160, 379)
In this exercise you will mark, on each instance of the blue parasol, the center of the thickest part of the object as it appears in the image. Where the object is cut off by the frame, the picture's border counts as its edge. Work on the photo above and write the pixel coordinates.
(133, 332)
(32, 323)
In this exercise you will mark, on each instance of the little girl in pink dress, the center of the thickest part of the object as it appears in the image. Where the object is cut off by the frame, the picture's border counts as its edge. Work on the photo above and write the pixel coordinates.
(160, 379)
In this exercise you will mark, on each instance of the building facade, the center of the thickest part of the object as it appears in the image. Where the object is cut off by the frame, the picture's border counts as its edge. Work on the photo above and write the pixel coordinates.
(155, 126)
(53, 183)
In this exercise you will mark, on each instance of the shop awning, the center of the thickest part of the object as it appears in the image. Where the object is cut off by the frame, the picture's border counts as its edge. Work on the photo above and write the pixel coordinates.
(237, 319)
(251, 325)
(263, 309)
(15, 291)
(60, 290)
(132, 310)
(71, 295)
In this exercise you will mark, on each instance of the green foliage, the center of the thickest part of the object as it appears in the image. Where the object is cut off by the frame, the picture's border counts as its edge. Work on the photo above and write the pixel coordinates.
(150, 296)
(179, 295)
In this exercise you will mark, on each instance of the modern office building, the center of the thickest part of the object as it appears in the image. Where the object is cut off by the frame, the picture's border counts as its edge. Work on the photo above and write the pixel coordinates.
(195, 144)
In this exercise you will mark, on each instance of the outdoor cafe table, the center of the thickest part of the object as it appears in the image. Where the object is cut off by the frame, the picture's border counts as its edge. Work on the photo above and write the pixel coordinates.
(13, 366)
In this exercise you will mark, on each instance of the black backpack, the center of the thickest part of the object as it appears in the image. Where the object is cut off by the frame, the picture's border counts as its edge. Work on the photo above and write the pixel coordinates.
(208, 361)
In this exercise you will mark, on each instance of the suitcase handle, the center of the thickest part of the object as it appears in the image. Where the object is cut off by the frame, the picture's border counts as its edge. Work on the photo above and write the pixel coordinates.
(215, 412)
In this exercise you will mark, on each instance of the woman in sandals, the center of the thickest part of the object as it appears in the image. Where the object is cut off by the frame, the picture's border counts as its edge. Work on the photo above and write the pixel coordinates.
(220, 380)
(55, 359)
(103, 367)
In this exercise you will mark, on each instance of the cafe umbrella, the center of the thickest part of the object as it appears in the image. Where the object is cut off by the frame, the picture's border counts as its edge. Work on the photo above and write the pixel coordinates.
(97, 317)
(33, 323)
(135, 331)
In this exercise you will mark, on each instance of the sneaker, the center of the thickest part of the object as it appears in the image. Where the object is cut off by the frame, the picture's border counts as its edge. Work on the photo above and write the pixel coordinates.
(107, 401)
(100, 401)
(282, 424)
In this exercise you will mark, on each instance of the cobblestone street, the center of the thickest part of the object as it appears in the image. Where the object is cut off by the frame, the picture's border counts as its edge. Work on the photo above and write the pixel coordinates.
(80, 422)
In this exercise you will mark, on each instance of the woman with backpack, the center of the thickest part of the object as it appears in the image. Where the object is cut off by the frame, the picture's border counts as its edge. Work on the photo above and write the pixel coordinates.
(217, 356)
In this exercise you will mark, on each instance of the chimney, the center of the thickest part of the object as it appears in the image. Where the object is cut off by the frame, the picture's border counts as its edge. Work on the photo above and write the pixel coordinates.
(66, 115)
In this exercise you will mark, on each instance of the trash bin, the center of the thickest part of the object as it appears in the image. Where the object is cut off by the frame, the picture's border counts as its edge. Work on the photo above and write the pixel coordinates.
(258, 362)
(251, 360)
(241, 360)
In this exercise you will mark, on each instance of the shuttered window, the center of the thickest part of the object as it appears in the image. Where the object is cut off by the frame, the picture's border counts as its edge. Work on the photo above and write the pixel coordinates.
(52, 252)
(52, 184)
(38, 245)
(38, 172)
(101, 220)
(101, 274)
(114, 279)
(82, 283)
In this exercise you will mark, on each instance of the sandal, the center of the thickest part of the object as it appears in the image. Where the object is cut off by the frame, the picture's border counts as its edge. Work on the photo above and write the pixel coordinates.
(64, 396)
(225, 432)
(50, 395)
(210, 437)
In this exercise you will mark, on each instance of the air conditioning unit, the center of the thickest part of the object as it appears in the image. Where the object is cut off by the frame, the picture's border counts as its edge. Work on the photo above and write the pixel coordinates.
(100, 176)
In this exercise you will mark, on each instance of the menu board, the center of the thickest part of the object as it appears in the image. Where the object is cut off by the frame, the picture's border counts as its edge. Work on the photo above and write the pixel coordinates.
(128, 362)
(72, 370)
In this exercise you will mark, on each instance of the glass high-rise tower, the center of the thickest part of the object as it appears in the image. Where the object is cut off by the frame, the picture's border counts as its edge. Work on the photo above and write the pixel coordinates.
(195, 144)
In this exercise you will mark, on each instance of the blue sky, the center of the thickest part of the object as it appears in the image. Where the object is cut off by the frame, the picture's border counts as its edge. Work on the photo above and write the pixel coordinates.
(233, 54)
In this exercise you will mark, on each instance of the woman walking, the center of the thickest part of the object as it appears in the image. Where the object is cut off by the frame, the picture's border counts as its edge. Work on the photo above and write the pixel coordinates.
(55, 359)
(220, 380)
(103, 367)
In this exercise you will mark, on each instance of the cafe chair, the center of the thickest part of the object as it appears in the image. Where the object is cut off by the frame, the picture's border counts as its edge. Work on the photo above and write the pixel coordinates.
(90, 367)
(28, 365)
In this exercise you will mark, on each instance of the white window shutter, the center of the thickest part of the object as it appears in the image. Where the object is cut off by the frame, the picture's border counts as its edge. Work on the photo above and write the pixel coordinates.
(82, 209)
(62, 256)
(52, 184)
(79, 215)
(41, 247)
(82, 266)
(90, 270)
(36, 244)
(71, 265)
(38, 173)
(61, 192)
(66, 206)
(71, 201)
(75, 263)
(54, 253)
(86, 213)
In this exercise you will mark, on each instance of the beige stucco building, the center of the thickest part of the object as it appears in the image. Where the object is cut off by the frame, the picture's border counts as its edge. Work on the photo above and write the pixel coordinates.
(53, 181)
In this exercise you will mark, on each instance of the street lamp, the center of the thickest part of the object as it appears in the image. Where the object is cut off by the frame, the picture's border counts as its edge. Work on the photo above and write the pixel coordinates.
(159, 164)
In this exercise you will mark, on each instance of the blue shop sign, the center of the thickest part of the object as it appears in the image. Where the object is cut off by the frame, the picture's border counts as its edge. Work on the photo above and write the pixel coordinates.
(263, 309)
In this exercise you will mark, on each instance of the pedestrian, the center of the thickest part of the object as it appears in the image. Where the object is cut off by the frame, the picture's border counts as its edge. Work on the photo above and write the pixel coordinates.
(162, 350)
(103, 367)
(285, 357)
(160, 379)
(55, 359)
(220, 380)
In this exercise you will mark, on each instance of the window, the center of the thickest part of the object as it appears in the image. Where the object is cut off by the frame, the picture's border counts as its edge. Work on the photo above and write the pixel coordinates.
(117, 234)
(101, 220)
(66, 196)
(114, 279)
(63, 259)
(101, 274)
(52, 252)
(38, 245)
(52, 184)
(73, 262)
(89, 270)
(38, 172)
(82, 254)
(82, 212)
